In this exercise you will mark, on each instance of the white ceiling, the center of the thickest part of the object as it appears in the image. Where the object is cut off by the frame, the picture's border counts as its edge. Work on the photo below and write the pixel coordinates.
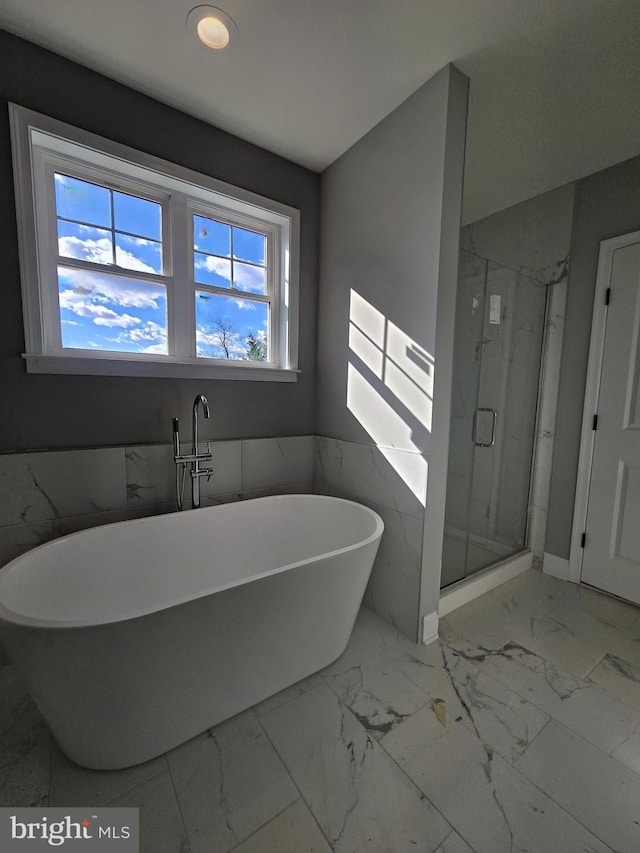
(555, 84)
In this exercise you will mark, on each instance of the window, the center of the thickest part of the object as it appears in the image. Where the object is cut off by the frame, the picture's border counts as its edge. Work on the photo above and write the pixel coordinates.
(134, 266)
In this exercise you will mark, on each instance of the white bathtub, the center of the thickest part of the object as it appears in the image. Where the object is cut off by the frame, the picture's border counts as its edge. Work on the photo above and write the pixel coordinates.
(136, 636)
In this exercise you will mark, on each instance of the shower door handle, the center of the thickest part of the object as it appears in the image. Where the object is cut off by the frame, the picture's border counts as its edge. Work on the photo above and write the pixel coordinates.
(474, 437)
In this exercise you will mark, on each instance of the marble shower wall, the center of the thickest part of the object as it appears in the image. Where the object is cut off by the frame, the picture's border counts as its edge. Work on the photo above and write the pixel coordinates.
(531, 241)
(48, 494)
(393, 483)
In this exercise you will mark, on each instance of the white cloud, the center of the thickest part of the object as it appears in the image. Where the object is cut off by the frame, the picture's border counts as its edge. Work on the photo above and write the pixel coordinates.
(153, 334)
(100, 252)
(108, 289)
(249, 278)
(245, 305)
(123, 321)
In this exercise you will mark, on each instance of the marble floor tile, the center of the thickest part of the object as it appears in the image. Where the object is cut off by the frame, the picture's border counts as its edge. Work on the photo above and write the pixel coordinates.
(504, 618)
(72, 785)
(454, 844)
(502, 719)
(426, 667)
(557, 643)
(597, 790)
(378, 695)
(492, 806)
(161, 827)
(375, 631)
(628, 753)
(360, 798)
(292, 831)
(608, 610)
(25, 746)
(620, 678)
(581, 706)
(532, 592)
(600, 633)
(229, 782)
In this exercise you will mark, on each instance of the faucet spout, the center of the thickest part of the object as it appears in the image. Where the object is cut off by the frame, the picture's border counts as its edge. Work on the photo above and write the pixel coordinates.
(199, 400)
(196, 471)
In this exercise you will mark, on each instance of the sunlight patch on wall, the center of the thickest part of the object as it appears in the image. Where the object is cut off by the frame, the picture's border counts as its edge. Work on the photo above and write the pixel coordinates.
(390, 390)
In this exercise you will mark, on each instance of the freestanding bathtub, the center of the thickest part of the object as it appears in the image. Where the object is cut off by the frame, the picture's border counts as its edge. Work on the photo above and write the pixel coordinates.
(136, 636)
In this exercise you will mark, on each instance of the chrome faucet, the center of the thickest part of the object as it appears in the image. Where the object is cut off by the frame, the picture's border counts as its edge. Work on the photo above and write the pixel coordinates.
(195, 458)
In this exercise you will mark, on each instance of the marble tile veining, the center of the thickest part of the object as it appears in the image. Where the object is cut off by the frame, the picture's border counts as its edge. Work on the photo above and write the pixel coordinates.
(229, 782)
(491, 805)
(578, 704)
(360, 798)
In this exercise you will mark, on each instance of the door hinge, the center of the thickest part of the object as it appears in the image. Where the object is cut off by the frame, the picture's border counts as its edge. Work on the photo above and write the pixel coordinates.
(607, 297)
(583, 541)
(595, 422)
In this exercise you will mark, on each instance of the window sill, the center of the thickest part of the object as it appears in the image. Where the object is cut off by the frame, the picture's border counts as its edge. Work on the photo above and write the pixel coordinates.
(169, 369)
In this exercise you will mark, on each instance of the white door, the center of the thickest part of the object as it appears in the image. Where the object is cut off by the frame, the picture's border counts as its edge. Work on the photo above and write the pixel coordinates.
(611, 559)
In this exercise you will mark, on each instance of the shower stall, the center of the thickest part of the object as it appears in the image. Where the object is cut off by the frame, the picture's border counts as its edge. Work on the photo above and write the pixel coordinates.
(500, 321)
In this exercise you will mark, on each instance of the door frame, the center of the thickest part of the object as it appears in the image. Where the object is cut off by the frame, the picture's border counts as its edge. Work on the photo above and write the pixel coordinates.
(591, 397)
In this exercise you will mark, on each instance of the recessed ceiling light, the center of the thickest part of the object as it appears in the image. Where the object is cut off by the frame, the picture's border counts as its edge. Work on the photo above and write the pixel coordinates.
(214, 28)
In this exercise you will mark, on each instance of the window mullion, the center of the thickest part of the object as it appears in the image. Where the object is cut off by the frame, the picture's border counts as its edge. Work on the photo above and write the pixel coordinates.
(182, 293)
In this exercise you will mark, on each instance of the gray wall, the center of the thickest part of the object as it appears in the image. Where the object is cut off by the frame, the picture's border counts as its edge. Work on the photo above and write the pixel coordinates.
(607, 204)
(383, 249)
(41, 411)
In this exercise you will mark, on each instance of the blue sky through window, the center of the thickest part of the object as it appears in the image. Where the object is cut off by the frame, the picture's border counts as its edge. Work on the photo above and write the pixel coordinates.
(104, 311)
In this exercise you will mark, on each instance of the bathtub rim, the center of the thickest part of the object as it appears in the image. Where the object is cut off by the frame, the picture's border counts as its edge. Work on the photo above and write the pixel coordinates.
(12, 618)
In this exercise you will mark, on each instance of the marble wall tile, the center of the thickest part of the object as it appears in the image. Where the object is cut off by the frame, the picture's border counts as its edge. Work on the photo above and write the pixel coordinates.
(401, 544)
(532, 238)
(292, 831)
(395, 479)
(375, 631)
(276, 461)
(227, 469)
(360, 798)
(41, 486)
(161, 827)
(229, 782)
(605, 801)
(394, 597)
(151, 475)
(73, 524)
(19, 538)
(492, 806)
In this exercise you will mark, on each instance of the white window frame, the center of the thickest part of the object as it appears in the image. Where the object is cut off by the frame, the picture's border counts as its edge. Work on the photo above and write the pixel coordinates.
(42, 145)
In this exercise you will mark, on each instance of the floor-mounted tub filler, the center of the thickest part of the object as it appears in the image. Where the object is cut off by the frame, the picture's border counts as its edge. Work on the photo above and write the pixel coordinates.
(136, 636)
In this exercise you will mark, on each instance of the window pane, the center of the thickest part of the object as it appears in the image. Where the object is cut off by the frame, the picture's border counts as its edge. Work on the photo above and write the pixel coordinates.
(136, 253)
(211, 270)
(248, 246)
(229, 328)
(82, 201)
(104, 312)
(137, 215)
(246, 277)
(211, 236)
(84, 243)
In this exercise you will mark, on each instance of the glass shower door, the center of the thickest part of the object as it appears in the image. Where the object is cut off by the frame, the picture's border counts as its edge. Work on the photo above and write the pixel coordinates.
(498, 345)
